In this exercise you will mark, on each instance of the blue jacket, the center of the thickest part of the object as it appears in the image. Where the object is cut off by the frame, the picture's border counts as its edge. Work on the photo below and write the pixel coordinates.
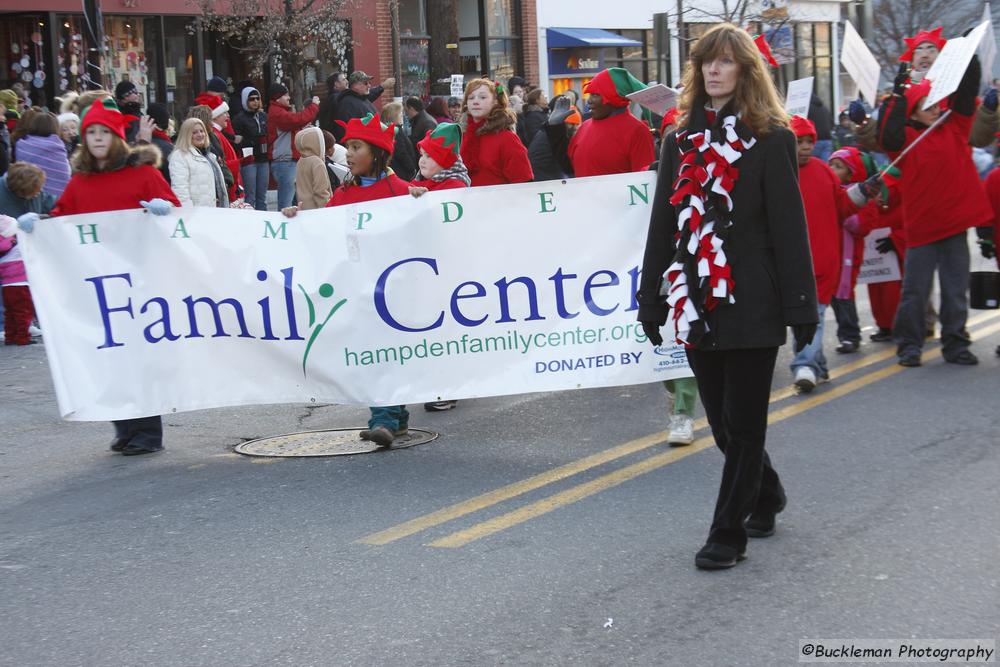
(14, 206)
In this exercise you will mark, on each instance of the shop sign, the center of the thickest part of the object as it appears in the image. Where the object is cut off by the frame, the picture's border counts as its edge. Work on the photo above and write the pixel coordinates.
(564, 62)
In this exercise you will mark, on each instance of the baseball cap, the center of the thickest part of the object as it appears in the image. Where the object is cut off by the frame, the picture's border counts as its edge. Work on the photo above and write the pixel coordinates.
(359, 77)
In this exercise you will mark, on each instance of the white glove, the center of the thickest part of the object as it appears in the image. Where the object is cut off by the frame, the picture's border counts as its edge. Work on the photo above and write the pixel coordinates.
(26, 223)
(156, 206)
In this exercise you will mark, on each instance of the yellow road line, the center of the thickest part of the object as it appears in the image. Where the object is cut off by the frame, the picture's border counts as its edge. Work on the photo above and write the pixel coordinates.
(515, 489)
(581, 491)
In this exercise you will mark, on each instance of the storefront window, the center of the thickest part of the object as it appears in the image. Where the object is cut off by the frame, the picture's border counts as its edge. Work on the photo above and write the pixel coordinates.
(503, 46)
(179, 79)
(412, 18)
(640, 60)
(23, 60)
(413, 54)
(500, 18)
(503, 56)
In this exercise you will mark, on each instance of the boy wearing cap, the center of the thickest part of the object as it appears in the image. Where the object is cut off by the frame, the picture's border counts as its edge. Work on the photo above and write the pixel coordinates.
(282, 126)
(942, 198)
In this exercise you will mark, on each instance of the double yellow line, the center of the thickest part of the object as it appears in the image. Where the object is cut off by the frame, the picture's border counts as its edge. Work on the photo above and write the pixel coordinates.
(610, 480)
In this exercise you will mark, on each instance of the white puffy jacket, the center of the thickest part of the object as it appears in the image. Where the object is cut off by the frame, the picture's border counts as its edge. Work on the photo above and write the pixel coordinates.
(192, 178)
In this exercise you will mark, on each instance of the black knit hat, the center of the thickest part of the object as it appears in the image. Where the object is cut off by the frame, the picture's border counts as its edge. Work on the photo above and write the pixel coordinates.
(217, 85)
(160, 115)
(276, 90)
(123, 89)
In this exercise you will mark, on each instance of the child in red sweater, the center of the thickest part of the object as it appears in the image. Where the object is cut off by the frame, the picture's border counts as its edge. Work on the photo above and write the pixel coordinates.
(942, 198)
(491, 150)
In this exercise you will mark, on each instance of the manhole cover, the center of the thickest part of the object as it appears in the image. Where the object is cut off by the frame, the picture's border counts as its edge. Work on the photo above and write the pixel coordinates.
(333, 442)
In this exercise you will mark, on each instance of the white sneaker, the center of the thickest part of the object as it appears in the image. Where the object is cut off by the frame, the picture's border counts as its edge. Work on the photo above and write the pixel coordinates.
(3, 336)
(681, 430)
(34, 331)
(805, 379)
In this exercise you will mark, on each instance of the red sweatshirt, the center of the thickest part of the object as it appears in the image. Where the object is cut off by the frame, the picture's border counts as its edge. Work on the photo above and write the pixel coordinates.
(282, 126)
(495, 159)
(113, 191)
(940, 187)
(615, 145)
(992, 188)
(390, 186)
(827, 205)
(446, 184)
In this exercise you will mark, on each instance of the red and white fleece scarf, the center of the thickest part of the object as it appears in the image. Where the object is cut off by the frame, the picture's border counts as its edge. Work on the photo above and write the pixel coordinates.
(700, 277)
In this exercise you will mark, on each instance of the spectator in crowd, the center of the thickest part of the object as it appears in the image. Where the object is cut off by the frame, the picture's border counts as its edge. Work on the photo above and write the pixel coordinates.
(533, 116)
(455, 109)
(312, 182)
(69, 130)
(195, 174)
(43, 147)
(357, 100)
(161, 138)
(130, 103)
(282, 126)
(438, 109)
(491, 150)
(843, 134)
(404, 157)
(204, 114)
(516, 85)
(336, 84)
(220, 121)
(822, 119)
(251, 125)
(421, 122)
(547, 152)
(335, 161)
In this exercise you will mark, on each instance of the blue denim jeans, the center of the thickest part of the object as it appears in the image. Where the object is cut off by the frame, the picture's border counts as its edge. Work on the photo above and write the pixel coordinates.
(255, 178)
(812, 354)
(284, 174)
(393, 417)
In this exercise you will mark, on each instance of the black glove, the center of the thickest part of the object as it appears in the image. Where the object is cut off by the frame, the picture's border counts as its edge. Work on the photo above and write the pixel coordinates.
(902, 76)
(987, 248)
(560, 111)
(872, 186)
(652, 331)
(803, 334)
(884, 245)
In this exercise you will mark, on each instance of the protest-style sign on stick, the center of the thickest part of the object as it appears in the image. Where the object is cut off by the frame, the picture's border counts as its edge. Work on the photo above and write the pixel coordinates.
(799, 94)
(877, 267)
(988, 49)
(659, 98)
(457, 85)
(947, 71)
(859, 62)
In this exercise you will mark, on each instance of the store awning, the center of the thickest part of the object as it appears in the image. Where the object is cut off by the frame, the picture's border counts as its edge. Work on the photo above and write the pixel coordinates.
(566, 38)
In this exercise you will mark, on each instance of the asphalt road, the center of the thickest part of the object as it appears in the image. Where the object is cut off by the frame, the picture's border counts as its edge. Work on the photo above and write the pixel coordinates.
(567, 534)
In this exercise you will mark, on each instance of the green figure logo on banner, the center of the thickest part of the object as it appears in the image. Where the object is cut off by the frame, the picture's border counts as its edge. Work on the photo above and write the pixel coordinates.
(325, 291)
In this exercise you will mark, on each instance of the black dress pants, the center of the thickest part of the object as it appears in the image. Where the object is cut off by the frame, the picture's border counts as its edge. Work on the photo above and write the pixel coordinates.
(735, 388)
(144, 432)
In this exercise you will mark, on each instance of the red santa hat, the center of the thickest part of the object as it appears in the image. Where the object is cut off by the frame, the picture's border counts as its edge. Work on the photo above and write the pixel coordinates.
(765, 50)
(803, 127)
(915, 93)
(103, 112)
(933, 37)
(371, 131)
(613, 84)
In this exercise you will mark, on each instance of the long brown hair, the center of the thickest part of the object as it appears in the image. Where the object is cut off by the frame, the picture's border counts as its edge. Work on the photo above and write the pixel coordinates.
(85, 163)
(500, 117)
(755, 97)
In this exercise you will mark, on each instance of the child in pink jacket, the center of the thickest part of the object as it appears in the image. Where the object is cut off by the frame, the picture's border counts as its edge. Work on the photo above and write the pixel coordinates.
(18, 309)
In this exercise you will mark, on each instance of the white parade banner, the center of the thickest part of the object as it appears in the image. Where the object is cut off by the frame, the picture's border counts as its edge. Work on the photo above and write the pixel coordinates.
(877, 267)
(457, 294)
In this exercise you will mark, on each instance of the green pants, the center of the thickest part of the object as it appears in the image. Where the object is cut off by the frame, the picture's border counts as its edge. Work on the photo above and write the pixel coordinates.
(685, 391)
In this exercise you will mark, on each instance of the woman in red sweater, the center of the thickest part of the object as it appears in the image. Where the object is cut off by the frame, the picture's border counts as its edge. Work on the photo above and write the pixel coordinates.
(490, 149)
(108, 176)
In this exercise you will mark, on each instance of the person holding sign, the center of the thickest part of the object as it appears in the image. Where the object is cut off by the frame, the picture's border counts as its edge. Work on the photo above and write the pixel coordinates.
(942, 198)
(727, 261)
(612, 141)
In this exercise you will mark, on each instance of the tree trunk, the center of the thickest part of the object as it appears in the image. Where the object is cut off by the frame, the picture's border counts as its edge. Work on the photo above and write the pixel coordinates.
(443, 27)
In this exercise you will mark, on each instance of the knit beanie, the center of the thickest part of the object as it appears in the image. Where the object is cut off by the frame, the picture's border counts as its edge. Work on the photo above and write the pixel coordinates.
(613, 84)
(124, 89)
(276, 90)
(67, 117)
(9, 99)
(803, 127)
(442, 144)
(103, 112)
(217, 85)
(851, 157)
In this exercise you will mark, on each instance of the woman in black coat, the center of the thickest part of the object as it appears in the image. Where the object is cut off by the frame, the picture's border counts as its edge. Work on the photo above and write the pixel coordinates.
(739, 273)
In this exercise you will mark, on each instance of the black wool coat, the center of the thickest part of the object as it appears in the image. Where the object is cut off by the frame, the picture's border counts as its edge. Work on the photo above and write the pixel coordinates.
(767, 248)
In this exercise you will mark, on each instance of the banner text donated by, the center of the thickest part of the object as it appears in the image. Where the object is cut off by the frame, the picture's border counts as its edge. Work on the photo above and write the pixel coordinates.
(511, 341)
(897, 650)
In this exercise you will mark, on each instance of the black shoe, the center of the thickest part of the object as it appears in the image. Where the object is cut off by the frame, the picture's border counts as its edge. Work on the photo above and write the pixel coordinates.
(439, 406)
(929, 333)
(132, 450)
(910, 361)
(760, 525)
(714, 556)
(380, 435)
(998, 350)
(118, 444)
(881, 336)
(963, 358)
(848, 346)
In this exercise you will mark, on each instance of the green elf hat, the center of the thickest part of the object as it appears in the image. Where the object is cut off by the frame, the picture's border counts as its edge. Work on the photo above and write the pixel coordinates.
(370, 130)
(613, 84)
(442, 144)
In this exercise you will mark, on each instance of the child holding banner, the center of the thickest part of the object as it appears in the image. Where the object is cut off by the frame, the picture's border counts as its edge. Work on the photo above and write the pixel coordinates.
(491, 150)
(942, 198)
(108, 176)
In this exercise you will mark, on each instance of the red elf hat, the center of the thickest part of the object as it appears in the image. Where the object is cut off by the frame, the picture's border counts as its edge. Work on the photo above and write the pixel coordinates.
(442, 144)
(104, 112)
(932, 36)
(613, 84)
(371, 131)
